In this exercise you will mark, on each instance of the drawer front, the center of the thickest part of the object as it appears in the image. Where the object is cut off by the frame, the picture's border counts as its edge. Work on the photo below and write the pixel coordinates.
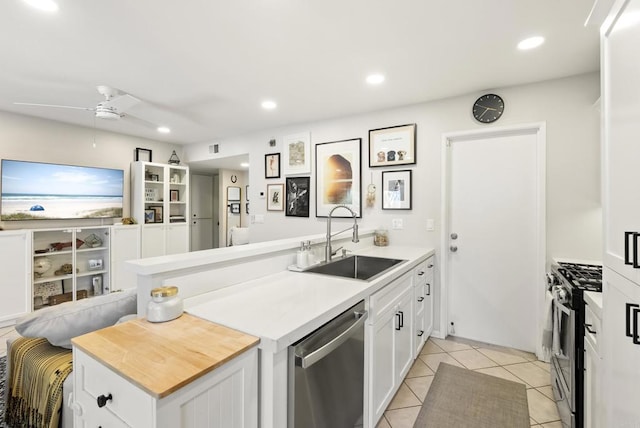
(420, 297)
(388, 295)
(592, 328)
(128, 403)
(424, 272)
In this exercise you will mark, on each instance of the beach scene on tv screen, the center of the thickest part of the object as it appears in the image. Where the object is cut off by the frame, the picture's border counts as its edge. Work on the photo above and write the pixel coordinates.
(32, 191)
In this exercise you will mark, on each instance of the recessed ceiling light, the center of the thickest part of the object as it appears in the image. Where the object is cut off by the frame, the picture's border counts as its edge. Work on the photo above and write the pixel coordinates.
(245, 164)
(163, 130)
(269, 105)
(46, 5)
(375, 79)
(530, 43)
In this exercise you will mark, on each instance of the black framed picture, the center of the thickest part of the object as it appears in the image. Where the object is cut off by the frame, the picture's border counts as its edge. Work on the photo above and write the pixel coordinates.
(396, 190)
(392, 146)
(143, 155)
(338, 177)
(235, 208)
(158, 213)
(272, 165)
(174, 195)
(297, 196)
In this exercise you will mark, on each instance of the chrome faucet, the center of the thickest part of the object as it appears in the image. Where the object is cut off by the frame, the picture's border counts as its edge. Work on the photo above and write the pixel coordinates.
(327, 247)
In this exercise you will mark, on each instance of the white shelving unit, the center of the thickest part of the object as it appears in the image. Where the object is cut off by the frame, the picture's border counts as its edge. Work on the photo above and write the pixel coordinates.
(70, 264)
(160, 203)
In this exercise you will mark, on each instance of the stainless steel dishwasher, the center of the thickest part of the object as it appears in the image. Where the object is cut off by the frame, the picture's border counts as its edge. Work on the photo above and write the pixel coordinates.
(326, 374)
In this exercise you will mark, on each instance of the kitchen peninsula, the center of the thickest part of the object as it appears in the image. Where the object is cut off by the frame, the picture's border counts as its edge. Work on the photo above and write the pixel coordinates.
(249, 289)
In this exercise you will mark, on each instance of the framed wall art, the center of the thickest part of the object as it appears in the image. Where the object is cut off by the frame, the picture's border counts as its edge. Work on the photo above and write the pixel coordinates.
(149, 216)
(143, 154)
(174, 195)
(297, 154)
(338, 177)
(235, 207)
(396, 190)
(297, 199)
(392, 146)
(272, 165)
(233, 193)
(275, 197)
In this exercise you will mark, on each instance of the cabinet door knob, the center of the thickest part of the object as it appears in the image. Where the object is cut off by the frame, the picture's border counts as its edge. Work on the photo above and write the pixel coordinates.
(421, 273)
(430, 266)
(102, 400)
(420, 299)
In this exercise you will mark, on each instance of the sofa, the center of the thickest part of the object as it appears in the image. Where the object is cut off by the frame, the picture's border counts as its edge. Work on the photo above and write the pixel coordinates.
(59, 324)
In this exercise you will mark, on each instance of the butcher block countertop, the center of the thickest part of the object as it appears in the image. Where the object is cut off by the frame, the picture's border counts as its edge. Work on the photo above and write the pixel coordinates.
(161, 358)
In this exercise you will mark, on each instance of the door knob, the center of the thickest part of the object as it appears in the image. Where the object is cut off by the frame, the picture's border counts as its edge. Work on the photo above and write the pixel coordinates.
(453, 248)
(454, 236)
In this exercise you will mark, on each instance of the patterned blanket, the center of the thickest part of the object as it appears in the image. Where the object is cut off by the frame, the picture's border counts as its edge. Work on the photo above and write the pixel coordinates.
(36, 374)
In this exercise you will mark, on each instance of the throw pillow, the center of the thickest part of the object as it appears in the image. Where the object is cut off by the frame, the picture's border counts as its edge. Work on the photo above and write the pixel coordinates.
(58, 324)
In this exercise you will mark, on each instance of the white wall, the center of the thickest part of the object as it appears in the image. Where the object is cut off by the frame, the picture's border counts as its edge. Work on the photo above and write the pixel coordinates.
(33, 139)
(573, 153)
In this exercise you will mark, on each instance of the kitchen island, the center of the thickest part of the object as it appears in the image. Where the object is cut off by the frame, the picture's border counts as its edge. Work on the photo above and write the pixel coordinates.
(256, 294)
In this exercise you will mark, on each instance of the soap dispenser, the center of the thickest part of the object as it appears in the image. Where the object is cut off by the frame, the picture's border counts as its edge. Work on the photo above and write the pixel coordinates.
(302, 259)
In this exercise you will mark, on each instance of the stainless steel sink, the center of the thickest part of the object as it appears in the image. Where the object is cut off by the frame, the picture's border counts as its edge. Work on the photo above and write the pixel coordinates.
(358, 267)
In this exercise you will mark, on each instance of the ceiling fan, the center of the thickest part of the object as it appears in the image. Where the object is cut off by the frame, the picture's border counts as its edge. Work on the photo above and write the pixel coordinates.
(114, 106)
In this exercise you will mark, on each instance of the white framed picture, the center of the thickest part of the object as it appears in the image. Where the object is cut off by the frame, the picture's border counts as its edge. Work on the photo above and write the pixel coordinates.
(275, 197)
(297, 154)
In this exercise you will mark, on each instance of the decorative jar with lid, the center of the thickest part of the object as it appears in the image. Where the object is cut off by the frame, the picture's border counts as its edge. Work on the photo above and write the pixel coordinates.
(165, 305)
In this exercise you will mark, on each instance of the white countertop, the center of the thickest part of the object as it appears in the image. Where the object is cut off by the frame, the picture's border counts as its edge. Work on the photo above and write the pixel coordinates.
(284, 307)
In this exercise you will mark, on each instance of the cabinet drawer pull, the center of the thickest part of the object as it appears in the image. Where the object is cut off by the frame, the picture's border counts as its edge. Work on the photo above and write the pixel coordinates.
(632, 322)
(401, 319)
(420, 299)
(635, 237)
(420, 333)
(627, 245)
(421, 273)
(588, 328)
(102, 400)
(430, 266)
(398, 326)
(428, 289)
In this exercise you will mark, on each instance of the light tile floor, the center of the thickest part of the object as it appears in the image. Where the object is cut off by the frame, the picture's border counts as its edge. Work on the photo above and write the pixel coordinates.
(511, 364)
(506, 363)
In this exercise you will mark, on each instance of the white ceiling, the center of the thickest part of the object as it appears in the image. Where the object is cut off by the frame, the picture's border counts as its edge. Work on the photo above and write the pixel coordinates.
(202, 67)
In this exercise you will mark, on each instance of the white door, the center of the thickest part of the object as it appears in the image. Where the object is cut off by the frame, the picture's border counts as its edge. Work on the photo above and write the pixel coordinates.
(495, 230)
(201, 234)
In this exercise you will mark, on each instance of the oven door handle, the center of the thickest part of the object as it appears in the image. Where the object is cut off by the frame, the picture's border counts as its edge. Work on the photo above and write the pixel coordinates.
(315, 356)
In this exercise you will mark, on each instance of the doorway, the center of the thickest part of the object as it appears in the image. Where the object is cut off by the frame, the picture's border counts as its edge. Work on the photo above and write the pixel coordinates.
(493, 239)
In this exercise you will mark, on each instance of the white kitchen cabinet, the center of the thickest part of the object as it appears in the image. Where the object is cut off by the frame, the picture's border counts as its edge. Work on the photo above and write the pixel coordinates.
(160, 203)
(620, 76)
(621, 344)
(15, 247)
(70, 264)
(423, 301)
(224, 398)
(125, 245)
(391, 342)
(621, 130)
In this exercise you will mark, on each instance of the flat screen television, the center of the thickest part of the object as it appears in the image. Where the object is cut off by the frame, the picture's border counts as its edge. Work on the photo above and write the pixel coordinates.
(45, 191)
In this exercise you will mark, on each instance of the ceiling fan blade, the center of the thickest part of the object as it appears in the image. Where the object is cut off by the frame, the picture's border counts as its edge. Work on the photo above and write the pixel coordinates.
(122, 103)
(56, 106)
(139, 121)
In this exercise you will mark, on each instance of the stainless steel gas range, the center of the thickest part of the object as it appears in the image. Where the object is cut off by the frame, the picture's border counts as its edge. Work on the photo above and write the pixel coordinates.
(567, 283)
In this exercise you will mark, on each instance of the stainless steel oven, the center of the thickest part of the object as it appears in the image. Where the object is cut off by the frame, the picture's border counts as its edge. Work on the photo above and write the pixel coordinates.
(567, 285)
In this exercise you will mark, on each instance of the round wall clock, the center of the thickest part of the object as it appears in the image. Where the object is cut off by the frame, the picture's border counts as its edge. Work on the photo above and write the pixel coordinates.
(488, 108)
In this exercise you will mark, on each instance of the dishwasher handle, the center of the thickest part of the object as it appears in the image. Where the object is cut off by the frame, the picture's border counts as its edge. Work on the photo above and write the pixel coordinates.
(320, 353)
